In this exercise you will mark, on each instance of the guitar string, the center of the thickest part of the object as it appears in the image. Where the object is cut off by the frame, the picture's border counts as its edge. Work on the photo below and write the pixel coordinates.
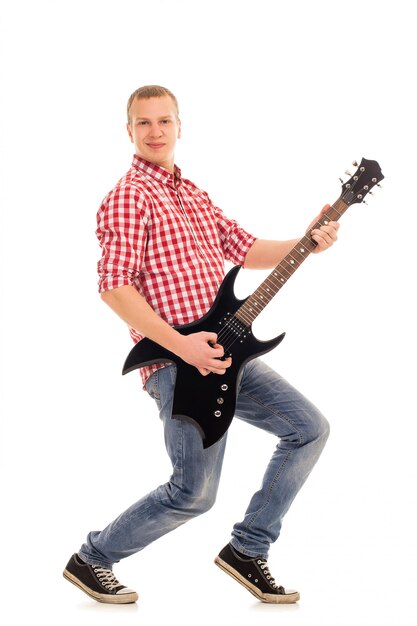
(225, 335)
(228, 333)
(227, 346)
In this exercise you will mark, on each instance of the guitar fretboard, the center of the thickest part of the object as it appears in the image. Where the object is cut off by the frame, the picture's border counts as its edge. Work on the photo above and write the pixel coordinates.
(255, 304)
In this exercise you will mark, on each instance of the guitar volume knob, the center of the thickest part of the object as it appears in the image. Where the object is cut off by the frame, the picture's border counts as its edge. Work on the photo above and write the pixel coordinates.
(224, 387)
(220, 400)
(217, 413)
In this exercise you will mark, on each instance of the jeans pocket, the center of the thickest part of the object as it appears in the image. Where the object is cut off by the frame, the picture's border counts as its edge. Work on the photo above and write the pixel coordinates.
(161, 385)
(152, 386)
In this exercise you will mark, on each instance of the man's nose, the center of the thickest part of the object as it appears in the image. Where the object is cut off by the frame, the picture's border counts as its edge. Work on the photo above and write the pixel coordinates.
(155, 130)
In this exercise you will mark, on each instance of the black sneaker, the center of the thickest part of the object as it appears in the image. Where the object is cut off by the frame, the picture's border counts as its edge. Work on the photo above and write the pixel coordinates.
(98, 582)
(255, 576)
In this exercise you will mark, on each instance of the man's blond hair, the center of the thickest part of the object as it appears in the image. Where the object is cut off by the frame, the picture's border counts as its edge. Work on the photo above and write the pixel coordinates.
(150, 91)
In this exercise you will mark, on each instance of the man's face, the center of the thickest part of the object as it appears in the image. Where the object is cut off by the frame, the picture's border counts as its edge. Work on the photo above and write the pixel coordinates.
(154, 129)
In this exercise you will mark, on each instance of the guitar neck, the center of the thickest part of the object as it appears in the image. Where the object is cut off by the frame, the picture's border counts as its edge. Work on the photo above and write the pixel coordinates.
(256, 303)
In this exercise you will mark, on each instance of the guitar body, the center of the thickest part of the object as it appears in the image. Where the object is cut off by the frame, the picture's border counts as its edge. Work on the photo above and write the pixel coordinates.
(208, 401)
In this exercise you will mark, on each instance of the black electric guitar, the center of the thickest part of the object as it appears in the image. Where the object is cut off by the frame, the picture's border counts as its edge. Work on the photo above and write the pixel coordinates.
(210, 401)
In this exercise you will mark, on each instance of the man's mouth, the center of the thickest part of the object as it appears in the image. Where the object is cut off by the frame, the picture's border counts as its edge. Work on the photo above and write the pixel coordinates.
(155, 146)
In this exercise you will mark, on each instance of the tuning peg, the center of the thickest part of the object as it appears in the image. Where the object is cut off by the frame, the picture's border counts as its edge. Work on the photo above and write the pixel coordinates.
(348, 173)
(354, 163)
(341, 180)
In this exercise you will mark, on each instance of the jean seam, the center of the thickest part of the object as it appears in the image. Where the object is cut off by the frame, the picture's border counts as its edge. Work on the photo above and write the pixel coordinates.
(283, 464)
(181, 454)
(271, 486)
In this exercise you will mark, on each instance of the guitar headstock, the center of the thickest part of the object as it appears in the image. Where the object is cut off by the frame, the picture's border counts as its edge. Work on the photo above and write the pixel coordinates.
(361, 182)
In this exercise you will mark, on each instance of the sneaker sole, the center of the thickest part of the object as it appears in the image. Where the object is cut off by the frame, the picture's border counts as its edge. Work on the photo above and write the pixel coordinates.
(272, 598)
(126, 598)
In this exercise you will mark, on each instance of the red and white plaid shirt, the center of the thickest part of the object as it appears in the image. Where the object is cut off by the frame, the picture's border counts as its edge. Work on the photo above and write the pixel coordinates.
(163, 235)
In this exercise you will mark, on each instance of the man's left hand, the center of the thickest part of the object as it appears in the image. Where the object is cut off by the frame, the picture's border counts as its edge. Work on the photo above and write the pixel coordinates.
(326, 235)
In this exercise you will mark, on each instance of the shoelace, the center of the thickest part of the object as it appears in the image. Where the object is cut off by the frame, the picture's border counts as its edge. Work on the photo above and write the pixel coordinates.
(107, 578)
(265, 569)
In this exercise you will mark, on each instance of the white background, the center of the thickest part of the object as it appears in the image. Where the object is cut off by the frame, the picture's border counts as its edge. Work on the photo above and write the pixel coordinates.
(276, 98)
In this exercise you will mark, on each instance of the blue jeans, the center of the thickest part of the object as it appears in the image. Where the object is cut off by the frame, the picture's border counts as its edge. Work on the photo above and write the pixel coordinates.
(265, 400)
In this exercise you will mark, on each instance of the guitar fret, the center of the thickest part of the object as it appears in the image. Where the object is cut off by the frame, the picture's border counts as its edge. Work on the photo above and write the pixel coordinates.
(290, 265)
(243, 317)
(282, 278)
(268, 292)
(265, 290)
(293, 256)
(270, 280)
(309, 244)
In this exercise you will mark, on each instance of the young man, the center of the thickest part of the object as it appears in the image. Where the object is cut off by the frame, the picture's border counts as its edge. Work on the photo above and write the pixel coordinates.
(163, 249)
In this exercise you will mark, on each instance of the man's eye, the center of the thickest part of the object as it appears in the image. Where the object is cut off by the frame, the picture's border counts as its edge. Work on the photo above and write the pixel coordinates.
(166, 121)
(142, 123)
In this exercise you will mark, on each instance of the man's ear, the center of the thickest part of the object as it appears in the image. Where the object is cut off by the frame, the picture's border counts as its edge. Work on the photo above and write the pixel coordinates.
(129, 131)
(179, 129)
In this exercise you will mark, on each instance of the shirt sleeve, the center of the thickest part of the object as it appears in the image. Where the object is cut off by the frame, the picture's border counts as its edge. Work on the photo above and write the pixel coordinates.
(122, 234)
(234, 239)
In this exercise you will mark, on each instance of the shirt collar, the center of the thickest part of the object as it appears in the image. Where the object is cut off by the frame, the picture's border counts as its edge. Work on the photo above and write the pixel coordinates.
(173, 179)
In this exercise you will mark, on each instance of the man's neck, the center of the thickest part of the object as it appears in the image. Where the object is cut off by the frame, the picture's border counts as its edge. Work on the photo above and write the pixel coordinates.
(169, 165)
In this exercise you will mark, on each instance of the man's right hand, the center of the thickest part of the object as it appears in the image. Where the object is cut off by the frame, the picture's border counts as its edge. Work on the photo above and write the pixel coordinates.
(202, 350)
(198, 349)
